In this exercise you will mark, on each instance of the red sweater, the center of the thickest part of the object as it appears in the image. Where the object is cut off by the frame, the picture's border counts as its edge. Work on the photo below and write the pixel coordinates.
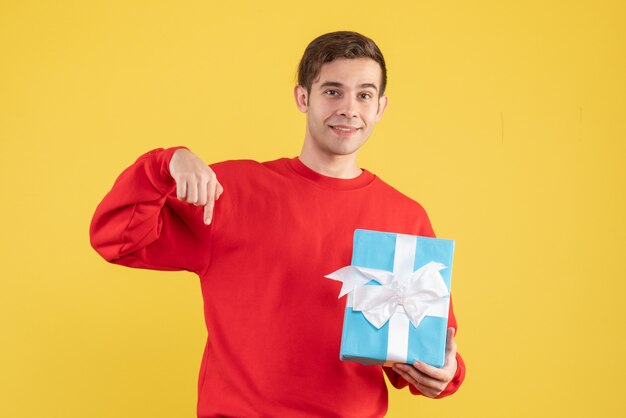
(274, 322)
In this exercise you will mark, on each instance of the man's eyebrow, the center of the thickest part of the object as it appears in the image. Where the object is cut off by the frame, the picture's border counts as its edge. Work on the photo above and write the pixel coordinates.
(331, 84)
(340, 85)
(369, 85)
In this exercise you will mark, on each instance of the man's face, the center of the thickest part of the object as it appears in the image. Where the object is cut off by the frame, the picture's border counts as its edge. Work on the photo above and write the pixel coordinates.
(343, 105)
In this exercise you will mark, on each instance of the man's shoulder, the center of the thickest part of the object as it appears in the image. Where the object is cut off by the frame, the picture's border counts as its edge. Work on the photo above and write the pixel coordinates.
(403, 208)
(246, 164)
(397, 197)
(249, 169)
(235, 164)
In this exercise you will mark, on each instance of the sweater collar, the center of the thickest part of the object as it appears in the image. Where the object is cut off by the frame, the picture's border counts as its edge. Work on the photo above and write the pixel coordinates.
(327, 182)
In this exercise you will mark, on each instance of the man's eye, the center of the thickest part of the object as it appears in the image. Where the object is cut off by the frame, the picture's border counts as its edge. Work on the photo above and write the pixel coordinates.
(366, 96)
(332, 92)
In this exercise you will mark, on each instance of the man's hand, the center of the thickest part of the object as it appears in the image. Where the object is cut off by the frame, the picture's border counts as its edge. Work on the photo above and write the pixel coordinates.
(430, 380)
(195, 181)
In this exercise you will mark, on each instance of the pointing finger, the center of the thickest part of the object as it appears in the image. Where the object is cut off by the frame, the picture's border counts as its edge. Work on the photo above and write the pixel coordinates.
(208, 209)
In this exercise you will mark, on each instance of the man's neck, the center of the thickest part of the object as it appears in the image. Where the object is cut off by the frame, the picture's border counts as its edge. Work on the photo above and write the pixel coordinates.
(338, 166)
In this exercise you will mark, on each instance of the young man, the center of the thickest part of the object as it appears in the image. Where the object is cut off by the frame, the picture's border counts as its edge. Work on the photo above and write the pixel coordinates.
(262, 236)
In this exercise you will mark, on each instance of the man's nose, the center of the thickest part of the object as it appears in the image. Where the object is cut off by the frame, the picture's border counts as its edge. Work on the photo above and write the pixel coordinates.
(348, 108)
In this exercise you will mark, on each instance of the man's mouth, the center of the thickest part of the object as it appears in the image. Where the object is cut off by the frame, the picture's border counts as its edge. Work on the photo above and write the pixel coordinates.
(344, 130)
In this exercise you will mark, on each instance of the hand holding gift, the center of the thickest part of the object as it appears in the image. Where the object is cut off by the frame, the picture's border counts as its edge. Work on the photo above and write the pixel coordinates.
(430, 380)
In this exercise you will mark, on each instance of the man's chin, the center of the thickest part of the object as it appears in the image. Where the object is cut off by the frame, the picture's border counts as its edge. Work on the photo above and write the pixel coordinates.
(343, 151)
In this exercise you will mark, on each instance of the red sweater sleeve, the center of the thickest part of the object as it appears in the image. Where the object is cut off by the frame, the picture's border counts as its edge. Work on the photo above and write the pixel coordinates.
(140, 223)
(398, 381)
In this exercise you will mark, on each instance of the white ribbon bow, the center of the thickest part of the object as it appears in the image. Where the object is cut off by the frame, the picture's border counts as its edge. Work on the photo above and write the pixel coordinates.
(419, 293)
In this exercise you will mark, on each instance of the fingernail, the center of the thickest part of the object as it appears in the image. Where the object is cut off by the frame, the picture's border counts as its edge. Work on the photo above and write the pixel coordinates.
(207, 221)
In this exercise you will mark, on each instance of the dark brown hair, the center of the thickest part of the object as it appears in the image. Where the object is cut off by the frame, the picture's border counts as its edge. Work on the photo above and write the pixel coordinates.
(333, 45)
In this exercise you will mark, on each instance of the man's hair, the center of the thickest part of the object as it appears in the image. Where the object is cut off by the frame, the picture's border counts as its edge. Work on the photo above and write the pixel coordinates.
(333, 45)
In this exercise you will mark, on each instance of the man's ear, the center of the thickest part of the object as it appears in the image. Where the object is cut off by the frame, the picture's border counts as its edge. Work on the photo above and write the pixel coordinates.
(382, 105)
(302, 98)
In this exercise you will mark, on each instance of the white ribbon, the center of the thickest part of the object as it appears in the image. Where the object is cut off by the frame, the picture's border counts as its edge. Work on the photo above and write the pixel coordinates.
(403, 293)
(420, 293)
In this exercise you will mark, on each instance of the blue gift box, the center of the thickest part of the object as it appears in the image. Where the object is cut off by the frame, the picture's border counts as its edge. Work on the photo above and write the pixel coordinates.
(397, 339)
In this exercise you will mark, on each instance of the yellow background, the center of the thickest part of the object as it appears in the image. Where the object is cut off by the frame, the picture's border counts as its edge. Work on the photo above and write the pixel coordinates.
(507, 121)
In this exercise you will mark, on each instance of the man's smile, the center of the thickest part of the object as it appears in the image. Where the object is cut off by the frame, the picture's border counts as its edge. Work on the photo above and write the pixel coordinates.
(344, 130)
